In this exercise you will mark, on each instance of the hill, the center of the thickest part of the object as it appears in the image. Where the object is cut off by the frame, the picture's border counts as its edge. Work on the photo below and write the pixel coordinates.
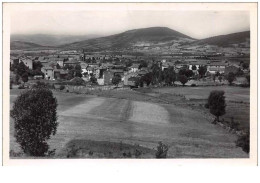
(19, 45)
(226, 40)
(50, 40)
(152, 35)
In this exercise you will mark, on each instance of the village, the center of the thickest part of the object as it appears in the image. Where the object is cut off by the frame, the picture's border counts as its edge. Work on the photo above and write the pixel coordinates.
(127, 70)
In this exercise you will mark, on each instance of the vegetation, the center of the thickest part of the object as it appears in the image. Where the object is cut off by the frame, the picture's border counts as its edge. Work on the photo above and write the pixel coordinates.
(220, 78)
(248, 79)
(183, 79)
(93, 80)
(202, 71)
(231, 77)
(169, 76)
(35, 120)
(116, 80)
(162, 150)
(243, 141)
(194, 67)
(217, 103)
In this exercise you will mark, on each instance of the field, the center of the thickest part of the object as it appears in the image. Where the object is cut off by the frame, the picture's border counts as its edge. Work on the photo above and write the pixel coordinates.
(237, 100)
(124, 120)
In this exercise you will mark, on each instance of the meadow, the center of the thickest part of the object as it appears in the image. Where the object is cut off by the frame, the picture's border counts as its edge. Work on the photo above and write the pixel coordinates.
(128, 120)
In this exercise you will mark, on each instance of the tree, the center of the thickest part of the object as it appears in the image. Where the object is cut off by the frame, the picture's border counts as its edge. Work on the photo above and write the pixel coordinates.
(183, 79)
(93, 80)
(58, 66)
(169, 75)
(214, 77)
(189, 73)
(25, 77)
(143, 64)
(220, 78)
(202, 70)
(35, 120)
(37, 65)
(248, 78)
(217, 103)
(155, 73)
(22, 68)
(245, 66)
(239, 72)
(231, 77)
(147, 78)
(78, 73)
(116, 80)
(78, 67)
(243, 141)
(194, 67)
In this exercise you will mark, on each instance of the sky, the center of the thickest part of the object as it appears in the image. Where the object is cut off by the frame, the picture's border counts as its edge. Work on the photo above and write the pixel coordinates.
(196, 24)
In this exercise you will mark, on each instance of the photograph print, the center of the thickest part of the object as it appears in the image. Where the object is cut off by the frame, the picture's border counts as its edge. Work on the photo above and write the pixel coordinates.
(129, 80)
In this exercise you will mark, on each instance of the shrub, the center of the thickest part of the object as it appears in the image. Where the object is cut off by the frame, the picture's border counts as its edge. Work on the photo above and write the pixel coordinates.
(78, 81)
(35, 120)
(233, 124)
(183, 79)
(231, 77)
(217, 103)
(243, 141)
(193, 85)
(248, 79)
(162, 150)
(21, 86)
(116, 80)
(220, 78)
(62, 87)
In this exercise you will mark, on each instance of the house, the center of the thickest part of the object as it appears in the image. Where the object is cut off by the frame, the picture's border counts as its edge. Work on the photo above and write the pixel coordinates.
(108, 76)
(28, 62)
(14, 60)
(231, 68)
(89, 70)
(48, 72)
(71, 62)
(60, 61)
(130, 79)
(134, 67)
(44, 62)
(60, 73)
(213, 68)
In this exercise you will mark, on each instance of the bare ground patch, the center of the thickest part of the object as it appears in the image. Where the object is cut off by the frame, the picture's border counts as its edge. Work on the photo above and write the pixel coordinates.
(149, 113)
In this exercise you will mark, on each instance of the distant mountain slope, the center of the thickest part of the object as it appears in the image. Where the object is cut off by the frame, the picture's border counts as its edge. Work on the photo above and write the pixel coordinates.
(17, 45)
(226, 40)
(50, 40)
(128, 38)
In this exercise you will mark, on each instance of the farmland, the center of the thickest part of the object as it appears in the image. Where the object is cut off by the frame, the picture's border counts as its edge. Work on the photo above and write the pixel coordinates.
(133, 118)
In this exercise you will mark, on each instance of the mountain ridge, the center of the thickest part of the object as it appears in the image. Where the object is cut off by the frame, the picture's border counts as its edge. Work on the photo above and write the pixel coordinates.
(143, 36)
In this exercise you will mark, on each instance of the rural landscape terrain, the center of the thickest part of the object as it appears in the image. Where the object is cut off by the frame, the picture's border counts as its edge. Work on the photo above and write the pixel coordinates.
(143, 93)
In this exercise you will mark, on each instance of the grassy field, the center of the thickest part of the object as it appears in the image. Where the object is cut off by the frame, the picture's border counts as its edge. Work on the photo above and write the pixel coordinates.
(237, 100)
(133, 119)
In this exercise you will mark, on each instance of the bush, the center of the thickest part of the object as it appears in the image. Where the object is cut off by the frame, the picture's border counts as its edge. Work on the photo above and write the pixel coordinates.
(183, 79)
(62, 87)
(162, 150)
(243, 141)
(21, 87)
(116, 80)
(35, 120)
(193, 85)
(217, 103)
(231, 77)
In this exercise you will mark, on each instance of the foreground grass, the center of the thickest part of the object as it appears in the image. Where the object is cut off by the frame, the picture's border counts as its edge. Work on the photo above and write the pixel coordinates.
(117, 117)
(104, 149)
